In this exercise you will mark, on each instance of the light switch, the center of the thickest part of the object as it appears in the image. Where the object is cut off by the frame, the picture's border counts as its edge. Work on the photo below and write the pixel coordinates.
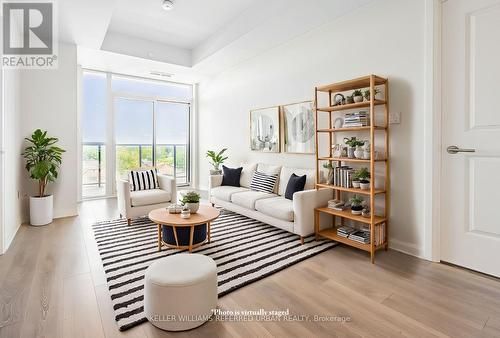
(395, 118)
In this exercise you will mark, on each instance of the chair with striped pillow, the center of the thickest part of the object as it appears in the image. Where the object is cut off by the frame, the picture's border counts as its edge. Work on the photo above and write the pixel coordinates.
(145, 190)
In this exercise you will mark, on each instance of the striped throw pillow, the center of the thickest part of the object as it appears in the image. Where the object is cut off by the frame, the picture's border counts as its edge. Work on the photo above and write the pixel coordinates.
(143, 180)
(263, 182)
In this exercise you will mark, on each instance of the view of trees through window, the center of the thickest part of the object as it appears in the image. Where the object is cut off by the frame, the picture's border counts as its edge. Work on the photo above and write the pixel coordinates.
(149, 132)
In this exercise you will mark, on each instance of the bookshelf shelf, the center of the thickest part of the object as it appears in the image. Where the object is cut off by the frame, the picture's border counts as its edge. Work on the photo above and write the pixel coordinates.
(365, 104)
(375, 222)
(353, 190)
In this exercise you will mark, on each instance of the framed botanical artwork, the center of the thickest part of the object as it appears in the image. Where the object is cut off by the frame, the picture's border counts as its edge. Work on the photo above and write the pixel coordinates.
(265, 130)
(298, 128)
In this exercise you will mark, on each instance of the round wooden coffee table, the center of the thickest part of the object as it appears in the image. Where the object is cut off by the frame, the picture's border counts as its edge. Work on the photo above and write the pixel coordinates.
(183, 233)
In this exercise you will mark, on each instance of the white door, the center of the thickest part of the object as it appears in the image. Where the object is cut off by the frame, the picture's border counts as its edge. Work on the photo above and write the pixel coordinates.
(470, 194)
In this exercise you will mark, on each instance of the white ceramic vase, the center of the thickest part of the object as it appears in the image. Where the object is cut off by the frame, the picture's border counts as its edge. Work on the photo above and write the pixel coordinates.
(358, 98)
(358, 152)
(193, 207)
(41, 210)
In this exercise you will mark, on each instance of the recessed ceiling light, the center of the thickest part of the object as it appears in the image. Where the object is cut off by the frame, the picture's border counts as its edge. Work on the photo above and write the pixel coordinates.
(167, 4)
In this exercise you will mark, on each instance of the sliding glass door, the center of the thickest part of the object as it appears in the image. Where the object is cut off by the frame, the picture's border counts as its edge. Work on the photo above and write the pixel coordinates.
(129, 123)
(172, 139)
(134, 129)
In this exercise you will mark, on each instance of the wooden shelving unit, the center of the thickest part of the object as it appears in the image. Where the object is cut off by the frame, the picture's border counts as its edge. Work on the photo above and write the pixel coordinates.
(379, 224)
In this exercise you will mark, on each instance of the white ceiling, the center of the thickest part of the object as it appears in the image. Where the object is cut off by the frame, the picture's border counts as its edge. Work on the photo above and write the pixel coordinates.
(188, 24)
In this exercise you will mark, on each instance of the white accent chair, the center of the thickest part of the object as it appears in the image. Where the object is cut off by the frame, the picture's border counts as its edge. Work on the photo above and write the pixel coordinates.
(295, 216)
(133, 204)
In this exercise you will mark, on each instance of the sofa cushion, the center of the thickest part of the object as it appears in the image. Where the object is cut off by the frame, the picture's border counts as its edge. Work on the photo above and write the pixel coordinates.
(149, 197)
(295, 183)
(278, 207)
(270, 169)
(287, 172)
(225, 192)
(231, 176)
(247, 199)
(246, 174)
(264, 182)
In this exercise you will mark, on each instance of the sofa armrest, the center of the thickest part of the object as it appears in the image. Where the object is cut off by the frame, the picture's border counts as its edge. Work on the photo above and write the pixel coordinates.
(123, 197)
(168, 184)
(304, 203)
(213, 182)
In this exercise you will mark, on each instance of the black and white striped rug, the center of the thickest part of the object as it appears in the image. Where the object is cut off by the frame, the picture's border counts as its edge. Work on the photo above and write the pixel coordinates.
(244, 249)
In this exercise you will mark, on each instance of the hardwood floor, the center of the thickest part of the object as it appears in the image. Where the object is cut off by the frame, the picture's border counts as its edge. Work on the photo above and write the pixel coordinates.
(52, 285)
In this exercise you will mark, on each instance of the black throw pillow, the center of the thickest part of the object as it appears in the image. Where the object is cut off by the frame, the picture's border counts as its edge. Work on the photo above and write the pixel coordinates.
(231, 176)
(295, 183)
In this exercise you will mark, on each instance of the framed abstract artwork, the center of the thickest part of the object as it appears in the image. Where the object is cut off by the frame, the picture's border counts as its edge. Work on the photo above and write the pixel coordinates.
(265, 130)
(298, 128)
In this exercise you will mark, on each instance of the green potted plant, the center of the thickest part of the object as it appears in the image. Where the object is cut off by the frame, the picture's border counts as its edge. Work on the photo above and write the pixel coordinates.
(43, 159)
(356, 205)
(216, 160)
(357, 95)
(362, 174)
(366, 93)
(352, 143)
(329, 167)
(191, 200)
(349, 99)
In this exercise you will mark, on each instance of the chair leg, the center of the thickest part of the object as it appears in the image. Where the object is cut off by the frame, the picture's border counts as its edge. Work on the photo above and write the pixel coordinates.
(213, 205)
(301, 240)
(129, 221)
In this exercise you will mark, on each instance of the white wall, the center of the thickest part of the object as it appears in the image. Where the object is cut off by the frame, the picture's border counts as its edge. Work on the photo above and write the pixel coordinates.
(385, 37)
(12, 145)
(49, 102)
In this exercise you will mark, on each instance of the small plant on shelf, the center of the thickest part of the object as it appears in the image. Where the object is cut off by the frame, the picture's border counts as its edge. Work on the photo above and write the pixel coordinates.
(362, 175)
(357, 95)
(366, 93)
(349, 99)
(352, 143)
(356, 205)
(329, 167)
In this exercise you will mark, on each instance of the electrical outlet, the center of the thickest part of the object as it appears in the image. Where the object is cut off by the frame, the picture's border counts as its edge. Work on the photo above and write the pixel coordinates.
(395, 118)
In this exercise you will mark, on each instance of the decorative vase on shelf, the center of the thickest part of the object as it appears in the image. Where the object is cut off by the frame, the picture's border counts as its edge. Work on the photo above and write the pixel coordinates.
(329, 179)
(358, 152)
(358, 98)
(350, 152)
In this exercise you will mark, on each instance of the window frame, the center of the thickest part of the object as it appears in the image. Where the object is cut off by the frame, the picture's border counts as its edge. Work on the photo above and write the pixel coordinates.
(110, 143)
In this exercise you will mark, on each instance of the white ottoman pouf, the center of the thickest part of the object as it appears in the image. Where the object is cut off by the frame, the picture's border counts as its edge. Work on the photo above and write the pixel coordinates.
(180, 291)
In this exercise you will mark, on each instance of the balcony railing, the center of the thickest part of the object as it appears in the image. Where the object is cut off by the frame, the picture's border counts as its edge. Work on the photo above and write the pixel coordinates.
(170, 159)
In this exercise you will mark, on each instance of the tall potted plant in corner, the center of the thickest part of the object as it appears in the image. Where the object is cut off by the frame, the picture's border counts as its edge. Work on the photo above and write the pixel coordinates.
(216, 160)
(43, 159)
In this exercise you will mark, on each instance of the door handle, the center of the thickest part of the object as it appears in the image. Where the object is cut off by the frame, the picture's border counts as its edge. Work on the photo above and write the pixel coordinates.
(455, 149)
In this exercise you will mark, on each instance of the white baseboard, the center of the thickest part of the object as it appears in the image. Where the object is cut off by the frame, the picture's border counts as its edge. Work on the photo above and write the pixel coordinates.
(406, 247)
(65, 213)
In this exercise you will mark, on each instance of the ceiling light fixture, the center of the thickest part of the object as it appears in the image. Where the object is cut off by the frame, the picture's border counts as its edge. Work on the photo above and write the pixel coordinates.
(167, 4)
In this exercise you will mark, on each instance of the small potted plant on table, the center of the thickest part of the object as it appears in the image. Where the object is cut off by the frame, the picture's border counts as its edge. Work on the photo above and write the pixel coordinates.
(216, 160)
(356, 205)
(191, 200)
(357, 95)
(362, 174)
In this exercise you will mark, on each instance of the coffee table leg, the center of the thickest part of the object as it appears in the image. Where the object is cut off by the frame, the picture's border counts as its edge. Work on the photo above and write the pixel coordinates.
(191, 233)
(159, 237)
(208, 231)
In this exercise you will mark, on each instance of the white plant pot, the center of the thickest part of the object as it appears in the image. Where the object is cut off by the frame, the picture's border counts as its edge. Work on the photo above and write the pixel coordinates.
(355, 184)
(350, 152)
(41, 210)
(356, 212)
(365, 186)
(358, 98)
(358, 152)
(193, 207)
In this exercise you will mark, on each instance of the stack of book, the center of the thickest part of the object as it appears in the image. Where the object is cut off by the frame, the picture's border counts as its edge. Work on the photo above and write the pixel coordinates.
(343, 176)
(361, 236)
(358, 119)
(345, 231)
(336, 205)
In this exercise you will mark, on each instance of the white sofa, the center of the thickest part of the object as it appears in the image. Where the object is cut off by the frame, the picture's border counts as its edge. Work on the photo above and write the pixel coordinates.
(133, 204)
(296, 216)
